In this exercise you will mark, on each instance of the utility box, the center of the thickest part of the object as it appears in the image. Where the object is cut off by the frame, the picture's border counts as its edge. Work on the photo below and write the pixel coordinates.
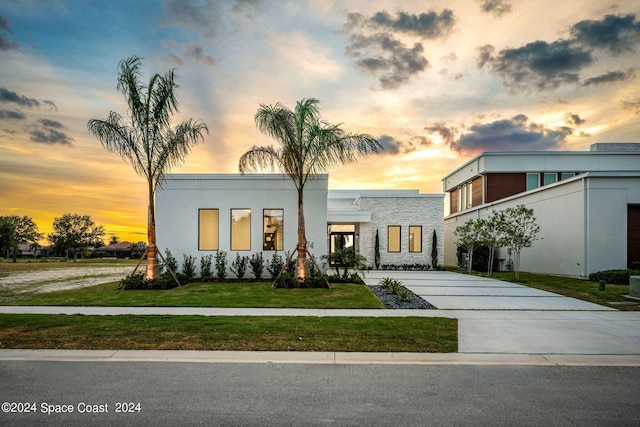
(634, 286)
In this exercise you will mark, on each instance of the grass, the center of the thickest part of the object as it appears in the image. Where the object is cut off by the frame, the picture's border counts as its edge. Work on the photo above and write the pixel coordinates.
(30, 264)
(360, 334)
(210, 294)
(574, 288)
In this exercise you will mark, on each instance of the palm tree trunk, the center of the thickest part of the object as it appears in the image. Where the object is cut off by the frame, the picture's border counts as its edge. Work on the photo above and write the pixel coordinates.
(153, 269)
(302, 268)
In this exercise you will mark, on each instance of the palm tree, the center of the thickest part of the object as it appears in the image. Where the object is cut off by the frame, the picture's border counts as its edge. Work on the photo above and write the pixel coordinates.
(148, 141)
(308, 146)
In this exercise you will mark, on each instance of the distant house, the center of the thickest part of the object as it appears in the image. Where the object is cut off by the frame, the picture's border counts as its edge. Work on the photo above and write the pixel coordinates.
(200, 214)
(586, 203)
(117, 250)
(29, 250)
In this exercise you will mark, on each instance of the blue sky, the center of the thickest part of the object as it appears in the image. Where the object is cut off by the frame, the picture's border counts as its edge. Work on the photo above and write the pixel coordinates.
(436, 82)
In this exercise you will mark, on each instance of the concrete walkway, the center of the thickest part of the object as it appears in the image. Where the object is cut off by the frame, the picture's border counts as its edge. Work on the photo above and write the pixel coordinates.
(498, 323)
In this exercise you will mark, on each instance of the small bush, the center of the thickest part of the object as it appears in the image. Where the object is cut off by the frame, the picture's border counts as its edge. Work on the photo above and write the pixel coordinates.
(287, 280)
(619, 277)
(172, 262)
(189, 267)
(221, 265)
(239, 266)
(138, 282)
(275, 266)
(404, 295)
(205, 267)
(257, 265)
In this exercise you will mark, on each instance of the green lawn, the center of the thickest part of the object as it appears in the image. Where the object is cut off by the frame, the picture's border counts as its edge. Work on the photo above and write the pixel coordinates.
(575, 288)
(362, 334)
(211, 294)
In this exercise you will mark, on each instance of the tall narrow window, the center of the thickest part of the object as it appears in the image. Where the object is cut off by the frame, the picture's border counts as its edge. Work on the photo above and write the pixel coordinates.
(470, 195)
(533, 181)
(393, 242)
(273, 229)
(240, 229)
(208, 229)
(415, 238)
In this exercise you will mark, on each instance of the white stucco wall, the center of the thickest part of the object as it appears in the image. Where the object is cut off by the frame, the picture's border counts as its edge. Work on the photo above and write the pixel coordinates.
(582, 225)
(181, 196)
(426, 210)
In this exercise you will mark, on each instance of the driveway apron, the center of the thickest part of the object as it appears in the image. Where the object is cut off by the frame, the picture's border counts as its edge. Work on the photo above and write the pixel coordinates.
(503, 317)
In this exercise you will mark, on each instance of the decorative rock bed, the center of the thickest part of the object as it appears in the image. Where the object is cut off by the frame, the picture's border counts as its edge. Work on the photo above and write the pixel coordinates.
(391, 301)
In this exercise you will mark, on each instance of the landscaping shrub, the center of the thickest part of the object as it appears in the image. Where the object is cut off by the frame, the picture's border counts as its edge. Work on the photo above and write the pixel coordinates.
(619, 277)
(239, 266)
(221, 265)
(205, 267)
(257, 265)
(289, 281)
(138, 282)
(172, 262)
(189, 267)
(275, 266)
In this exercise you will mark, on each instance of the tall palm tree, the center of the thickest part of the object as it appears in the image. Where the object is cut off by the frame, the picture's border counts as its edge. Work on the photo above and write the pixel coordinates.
(308, 146)
(148, 141)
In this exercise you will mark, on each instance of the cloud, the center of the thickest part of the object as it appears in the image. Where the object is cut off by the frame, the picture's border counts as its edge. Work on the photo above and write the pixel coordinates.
(495, 7)
(615, 34)
(387, 57)
(426, 25)
(547, 65)
(204, 16)
(196, 52)
(50, 132)
(50, 136)
(5, 43)
(390, 145)
(51, 103)
(245, 6)
(632, 105)
(573, 119)
(12, 115)
(610, 77)
(374, 48)
(10, 96)
(515, 134)
(51, 123)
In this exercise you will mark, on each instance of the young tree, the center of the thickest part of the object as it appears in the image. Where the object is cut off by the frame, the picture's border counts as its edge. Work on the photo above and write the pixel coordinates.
(308, 146)
(376, 250)
(16, 230)
(73, 232)
(148, 141)
(469, 238)
(491, 236)
(519, 228)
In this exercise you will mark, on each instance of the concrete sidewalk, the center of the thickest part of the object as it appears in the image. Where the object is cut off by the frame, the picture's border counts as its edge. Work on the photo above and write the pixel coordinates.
(498, 322)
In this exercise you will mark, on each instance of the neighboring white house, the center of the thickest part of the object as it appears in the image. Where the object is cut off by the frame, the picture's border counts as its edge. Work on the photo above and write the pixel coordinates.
(200, 214)
(586, 203)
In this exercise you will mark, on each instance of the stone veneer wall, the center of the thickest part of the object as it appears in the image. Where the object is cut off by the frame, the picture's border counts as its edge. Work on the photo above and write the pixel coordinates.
(421, 210)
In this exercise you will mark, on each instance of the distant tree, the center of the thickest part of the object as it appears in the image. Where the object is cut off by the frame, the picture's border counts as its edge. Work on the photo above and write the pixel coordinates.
(519, 229)
(148, 141)
(308, 146)
(138, 249)
(113, 240)
(469, 238)
(17, 230)
(73, 232)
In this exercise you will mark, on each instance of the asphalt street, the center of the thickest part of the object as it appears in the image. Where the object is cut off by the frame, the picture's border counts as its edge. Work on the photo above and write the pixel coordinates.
(266, 394)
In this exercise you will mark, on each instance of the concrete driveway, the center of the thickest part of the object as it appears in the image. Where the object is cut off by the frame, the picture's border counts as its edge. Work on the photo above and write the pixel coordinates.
(502, 317)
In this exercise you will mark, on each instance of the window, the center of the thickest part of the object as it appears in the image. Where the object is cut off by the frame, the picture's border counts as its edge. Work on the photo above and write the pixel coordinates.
(208, 229)
(566, 175)
(459, 202)
(273, 231)
(550, 178)
(240, 229)
(415, 238)
(470, 195)
(533, 181)
(393, 241)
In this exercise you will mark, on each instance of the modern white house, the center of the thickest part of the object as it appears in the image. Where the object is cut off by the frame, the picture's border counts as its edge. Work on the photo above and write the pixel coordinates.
(587, 205)
(200, 214)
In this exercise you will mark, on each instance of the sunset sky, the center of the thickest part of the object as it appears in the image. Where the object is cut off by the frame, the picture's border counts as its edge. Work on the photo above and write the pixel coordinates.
(437, 82)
